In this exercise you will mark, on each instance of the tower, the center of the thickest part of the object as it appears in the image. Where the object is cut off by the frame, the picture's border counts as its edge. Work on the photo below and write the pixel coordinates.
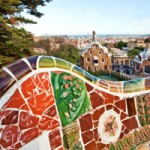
(94, 36)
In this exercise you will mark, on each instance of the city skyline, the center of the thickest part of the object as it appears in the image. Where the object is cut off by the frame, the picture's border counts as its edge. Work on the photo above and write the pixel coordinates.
(81, 17)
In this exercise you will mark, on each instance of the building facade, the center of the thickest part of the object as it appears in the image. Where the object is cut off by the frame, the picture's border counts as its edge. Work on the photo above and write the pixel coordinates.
(141, 62)
(96, 58)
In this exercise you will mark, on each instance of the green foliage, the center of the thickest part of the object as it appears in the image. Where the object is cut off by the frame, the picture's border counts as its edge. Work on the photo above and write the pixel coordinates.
(14, 41)
(116, 75)
(121, 44)
(133, 53)
(67, 52)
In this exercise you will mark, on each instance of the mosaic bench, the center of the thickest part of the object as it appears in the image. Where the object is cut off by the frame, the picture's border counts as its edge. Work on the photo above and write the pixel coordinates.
(47, 103)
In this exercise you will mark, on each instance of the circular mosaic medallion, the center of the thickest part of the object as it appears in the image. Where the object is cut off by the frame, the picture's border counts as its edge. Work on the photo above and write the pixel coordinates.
(109, 126)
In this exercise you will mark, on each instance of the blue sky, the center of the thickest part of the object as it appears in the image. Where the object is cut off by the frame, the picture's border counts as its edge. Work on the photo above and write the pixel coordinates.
(84, 16)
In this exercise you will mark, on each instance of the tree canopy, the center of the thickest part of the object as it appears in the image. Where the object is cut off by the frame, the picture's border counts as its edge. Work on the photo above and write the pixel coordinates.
(67, 52)
(133, 53)
(121, 44)
(15, 41)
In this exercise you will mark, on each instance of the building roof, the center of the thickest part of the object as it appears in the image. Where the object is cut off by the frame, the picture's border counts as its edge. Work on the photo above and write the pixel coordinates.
(90, 45)
(147, 40)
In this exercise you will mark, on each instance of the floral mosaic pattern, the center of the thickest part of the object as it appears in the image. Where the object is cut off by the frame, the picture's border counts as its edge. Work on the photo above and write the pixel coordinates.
(71, 97)
(109, 126)
(75, 109)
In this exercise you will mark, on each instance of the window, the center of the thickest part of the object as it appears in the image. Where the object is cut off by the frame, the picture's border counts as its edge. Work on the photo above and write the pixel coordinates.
(95, 61)
(103, 60)
(88, 59)
(99, 53)
(90, 52)
(88, 68)
(95, 69)
(137, 67)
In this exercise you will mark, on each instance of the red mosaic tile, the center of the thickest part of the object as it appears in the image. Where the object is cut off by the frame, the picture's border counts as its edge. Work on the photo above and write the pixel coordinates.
(11, 118)
(38, 91)
(95, 131)
(16, 146)
(9, 136)
(91, 146)
(55, 139)
(126, 131)
(86, 122)
(100, 146)
(88, 87)
(15, 101)
(96, 100)
(116, 98)
(123, 116)
(121, 105)
(108, 107)
(95, 124)
(26, 120)
(131, 123)
(30, 134)
(87, 136)
(109, 99)
(51, 111)
(97, 113)
(121, 135)
(116, 110)
(47, 123)
(131, 107)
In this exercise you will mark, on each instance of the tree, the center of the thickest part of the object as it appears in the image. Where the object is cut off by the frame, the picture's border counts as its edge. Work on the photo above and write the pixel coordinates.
(121, 44)
(133, 53)
(15, 41)
(67, 52)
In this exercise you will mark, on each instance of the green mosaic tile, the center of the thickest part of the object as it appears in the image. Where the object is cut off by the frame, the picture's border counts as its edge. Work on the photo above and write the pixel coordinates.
(71, 97)
(46, 62)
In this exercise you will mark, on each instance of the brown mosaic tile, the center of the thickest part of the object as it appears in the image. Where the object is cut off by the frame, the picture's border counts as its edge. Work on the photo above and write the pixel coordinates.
(131, 107)
(95, 124)
(100, 146)
(108, 107)
(123, 116)
(86, 122)
(95, 131)
(131, 123)
(91, 146)
(126, 131)
(96, 100)
(87, 136)
(121, 105)
(121, 135)
(116, 110)
(97, 113)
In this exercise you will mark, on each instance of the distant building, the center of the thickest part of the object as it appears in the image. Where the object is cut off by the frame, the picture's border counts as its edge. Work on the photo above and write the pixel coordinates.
(39, 50)
(131, 45)
(141, 62)
(120, 57)
(95, 57)
(140, 43)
